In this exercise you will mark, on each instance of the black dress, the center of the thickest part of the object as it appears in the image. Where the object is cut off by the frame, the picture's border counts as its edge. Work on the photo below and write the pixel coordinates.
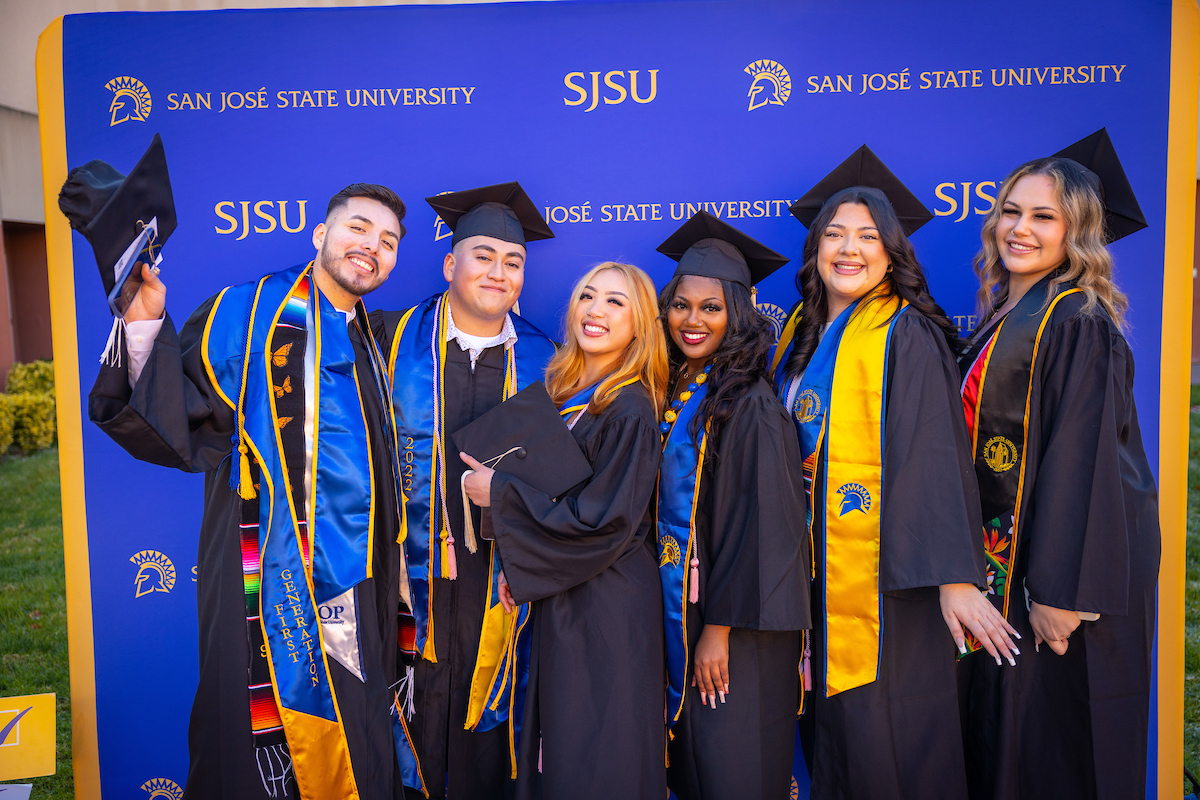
(1075, 726)
(754, 578)
(899, 736)
(593, 719)
(174, 417)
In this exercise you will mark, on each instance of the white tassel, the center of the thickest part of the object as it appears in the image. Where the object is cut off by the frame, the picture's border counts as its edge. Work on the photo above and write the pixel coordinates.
(468, 526)
(406, 690)
(112, 350)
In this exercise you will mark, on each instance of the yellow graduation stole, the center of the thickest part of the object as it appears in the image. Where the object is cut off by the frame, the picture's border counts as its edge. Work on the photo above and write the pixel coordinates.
(839, 410)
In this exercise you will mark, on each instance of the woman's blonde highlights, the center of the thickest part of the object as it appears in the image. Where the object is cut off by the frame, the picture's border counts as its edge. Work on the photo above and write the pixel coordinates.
(645, 357)
(1088, 265)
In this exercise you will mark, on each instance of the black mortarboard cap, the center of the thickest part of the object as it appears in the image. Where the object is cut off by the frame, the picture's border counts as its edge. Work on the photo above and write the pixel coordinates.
(502, 211)
(546, 457)
(1098, 157)
(711, 247)
(863, 168)
(106, 206)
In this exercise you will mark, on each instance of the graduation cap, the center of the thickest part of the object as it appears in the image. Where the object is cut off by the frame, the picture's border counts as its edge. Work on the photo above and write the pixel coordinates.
(525, 437)
(863, 168)
(1098, 157)
(502, 211)
(110, 209)
(712, 248)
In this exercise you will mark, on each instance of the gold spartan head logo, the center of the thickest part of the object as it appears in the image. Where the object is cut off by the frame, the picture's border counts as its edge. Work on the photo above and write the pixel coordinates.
(155, 573)
(131, 100)
(999, 454)
(777, 316)
(771, 85)
(163, 787)
(670, 551)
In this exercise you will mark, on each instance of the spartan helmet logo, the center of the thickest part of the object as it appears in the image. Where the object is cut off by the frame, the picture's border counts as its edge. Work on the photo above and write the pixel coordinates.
(771, 85)
(670, 551)
(155, 573)
(777, 316)
(163, 788)
(131, 100)
(855, 497)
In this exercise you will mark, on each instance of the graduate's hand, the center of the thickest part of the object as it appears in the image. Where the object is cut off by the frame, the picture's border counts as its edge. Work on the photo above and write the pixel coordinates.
(712, 664)
(479, 482)
(964, 606)
(1052, 626)
(151, 299)
(506, 598)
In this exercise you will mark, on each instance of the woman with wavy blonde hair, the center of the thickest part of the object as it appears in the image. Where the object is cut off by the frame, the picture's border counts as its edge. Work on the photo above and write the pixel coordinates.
(1069, 504)
(593, 725)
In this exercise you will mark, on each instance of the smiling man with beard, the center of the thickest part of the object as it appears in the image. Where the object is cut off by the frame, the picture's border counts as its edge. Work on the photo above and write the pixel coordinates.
(277, 390)
(451, 359)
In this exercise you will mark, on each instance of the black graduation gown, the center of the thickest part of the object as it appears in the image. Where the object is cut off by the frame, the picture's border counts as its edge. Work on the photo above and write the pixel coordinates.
(174, 417)
(455, 761)
(899, 736)
(595, 693)
(1075, 726)
(754, 578)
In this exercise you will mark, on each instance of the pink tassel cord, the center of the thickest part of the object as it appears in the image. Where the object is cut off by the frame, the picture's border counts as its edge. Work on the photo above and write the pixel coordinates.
(694, 581)
(450, 557)
(806, 669)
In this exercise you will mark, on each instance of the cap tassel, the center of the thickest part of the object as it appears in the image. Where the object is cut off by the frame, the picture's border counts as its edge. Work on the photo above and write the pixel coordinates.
(694, 581)
(806, 667)
(468, 526)
(449, 565)
(112, 350)
(245, 481)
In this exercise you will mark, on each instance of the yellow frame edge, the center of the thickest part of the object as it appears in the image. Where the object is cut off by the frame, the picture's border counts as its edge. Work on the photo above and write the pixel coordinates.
(1174, 388)
(85, 754)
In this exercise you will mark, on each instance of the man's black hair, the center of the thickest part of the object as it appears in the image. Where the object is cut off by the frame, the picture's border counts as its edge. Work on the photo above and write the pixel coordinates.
(372, 191)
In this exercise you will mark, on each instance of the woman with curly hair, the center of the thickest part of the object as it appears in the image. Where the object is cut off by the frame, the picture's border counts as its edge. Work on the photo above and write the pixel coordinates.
(592, 725)
(732, 558)
(871, 381)
(1069, 503)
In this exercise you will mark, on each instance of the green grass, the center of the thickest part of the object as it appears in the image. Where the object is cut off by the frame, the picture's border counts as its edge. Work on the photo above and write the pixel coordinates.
(33, 608)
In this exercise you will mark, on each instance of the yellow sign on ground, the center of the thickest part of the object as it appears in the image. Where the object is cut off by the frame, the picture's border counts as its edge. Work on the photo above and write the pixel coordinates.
(26, 736)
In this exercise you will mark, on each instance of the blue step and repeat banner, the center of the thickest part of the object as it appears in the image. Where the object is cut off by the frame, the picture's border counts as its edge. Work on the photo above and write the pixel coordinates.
(620, 120)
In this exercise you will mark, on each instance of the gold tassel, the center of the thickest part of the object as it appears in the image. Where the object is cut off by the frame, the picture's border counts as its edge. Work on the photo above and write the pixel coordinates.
(246, 483)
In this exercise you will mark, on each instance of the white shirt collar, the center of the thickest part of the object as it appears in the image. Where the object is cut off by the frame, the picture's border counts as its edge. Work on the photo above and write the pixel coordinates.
(475, 345)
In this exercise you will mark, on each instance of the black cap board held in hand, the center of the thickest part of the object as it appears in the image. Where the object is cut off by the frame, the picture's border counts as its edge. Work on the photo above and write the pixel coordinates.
(110, 209)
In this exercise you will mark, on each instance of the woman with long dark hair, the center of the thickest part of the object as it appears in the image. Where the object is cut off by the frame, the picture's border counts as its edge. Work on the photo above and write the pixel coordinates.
(1069, 503)
(871, 381)
(592, 724)
(733, 557)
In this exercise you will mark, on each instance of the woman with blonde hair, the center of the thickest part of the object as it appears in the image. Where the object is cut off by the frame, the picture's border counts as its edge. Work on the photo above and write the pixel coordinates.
(593, 723)
(1069, 503)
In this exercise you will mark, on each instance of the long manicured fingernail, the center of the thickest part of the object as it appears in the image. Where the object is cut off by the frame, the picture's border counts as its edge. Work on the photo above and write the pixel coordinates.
(1037, 648)
(712, 701)
(722, 695)
(1015, 650)
(727, 688)
(962, 648)
(1012, 661)
(703, 698)
(1016, 634)
(999, 663)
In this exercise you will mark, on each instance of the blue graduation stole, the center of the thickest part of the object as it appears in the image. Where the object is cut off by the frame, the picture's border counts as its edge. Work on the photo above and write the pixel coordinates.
(416, 372)
(839, 412)
(678, 488)
(248, 339)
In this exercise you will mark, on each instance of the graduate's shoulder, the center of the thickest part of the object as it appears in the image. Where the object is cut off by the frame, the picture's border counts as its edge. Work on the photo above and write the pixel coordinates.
(1071, 314)
(391, 317)
(631, 405)
(759, 401)
(915, 330)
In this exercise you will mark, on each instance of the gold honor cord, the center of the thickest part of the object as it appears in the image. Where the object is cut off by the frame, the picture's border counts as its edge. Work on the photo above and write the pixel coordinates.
(853, 491)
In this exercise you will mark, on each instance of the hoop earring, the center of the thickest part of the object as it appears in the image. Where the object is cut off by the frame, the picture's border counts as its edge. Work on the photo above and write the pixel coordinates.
(889, 269)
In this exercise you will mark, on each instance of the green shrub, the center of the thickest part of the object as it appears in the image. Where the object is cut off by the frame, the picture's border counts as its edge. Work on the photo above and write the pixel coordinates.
(36, 376)
(33, 420)
(6, 424)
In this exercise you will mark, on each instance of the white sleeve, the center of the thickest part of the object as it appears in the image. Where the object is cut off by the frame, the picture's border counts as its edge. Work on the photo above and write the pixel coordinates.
(139, 341)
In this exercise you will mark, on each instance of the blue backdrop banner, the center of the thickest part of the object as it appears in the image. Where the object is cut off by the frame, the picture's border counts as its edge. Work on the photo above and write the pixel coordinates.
(620, 119)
